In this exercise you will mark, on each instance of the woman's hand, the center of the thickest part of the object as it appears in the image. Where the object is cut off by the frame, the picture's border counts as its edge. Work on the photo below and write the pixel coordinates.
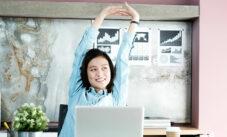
(121, 11)
(134, 17)
(110, 10)
(132, 12)
(118, 11)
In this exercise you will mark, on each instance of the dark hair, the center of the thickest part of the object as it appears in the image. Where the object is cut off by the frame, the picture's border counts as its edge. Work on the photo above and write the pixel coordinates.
(91, 54)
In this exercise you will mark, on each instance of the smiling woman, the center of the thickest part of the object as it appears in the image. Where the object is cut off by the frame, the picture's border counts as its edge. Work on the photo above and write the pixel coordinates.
(93, 81)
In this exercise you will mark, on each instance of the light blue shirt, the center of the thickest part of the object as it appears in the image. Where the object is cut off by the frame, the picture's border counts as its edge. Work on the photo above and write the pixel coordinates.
(78, 95)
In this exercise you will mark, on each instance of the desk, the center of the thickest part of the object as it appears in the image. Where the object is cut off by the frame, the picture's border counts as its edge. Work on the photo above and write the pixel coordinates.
(147, 132)
(160, 131)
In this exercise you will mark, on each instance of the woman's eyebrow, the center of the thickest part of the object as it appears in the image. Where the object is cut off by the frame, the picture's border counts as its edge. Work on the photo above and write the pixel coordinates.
(92, 66)
(105, 64)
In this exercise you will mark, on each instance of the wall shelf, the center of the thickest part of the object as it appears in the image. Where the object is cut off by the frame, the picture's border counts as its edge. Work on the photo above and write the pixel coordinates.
(85, 10)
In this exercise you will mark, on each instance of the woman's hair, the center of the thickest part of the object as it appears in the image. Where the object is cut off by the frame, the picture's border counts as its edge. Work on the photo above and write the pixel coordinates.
(91, 54)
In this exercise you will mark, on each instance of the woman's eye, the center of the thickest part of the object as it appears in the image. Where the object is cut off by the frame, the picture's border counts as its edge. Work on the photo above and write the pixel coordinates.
(92, 69)
(104, 68)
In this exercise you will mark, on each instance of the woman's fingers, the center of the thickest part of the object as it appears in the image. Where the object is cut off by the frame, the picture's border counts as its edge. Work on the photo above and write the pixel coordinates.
(121, 14)
(132, 12)
(120, 11)
(117, 12)
(111, 9)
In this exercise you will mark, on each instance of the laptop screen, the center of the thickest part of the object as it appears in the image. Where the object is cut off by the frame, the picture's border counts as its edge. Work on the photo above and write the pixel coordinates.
(109, 121)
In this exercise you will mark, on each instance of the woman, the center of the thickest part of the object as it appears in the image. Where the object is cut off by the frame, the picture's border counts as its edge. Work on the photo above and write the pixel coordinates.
(93, 81)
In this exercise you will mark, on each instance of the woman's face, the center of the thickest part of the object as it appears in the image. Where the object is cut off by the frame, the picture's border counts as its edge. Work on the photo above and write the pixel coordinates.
(98, 72)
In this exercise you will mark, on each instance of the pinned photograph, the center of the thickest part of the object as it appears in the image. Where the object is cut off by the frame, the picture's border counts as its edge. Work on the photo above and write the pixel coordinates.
(108, 36)
(170, 48)
(141, 37)
(140, 53)
(170, 38)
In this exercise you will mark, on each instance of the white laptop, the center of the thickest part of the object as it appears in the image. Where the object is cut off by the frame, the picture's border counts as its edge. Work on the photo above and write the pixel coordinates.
(109, 122)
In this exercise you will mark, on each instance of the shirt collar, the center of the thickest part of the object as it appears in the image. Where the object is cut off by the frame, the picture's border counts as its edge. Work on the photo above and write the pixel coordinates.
(100, 92)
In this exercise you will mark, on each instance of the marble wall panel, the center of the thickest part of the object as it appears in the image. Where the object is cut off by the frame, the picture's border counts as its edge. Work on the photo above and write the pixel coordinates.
(0, 108)
(36, 59)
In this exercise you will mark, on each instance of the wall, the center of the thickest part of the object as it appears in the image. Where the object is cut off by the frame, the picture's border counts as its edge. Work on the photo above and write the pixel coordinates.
(213, 66)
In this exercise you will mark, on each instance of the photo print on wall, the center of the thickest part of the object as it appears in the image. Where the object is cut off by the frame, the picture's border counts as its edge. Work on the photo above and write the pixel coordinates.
(170, 48)
(108, 40)
(141, 51)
